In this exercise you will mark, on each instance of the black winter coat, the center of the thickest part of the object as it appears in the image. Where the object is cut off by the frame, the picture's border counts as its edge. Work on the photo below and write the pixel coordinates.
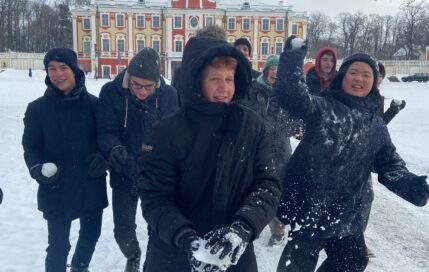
(313, 81)
(326, 178)
(61, 129)
(279, 125)
(122, 119)
(210, 165)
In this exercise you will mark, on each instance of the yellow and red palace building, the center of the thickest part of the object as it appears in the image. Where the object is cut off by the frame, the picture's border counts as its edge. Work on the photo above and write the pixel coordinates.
(107, 34)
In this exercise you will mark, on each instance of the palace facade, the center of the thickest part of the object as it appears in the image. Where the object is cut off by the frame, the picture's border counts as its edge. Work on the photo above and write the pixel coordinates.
(107, 34)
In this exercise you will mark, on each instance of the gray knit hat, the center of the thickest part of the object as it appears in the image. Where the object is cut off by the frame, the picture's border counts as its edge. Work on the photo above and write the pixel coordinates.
(145, 65)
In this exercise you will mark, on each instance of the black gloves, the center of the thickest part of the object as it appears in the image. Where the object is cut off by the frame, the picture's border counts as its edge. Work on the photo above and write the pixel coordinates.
(36, 173)
(118, 158)
(97, 166)
(229, 242)
(397, 105)
(420, 191)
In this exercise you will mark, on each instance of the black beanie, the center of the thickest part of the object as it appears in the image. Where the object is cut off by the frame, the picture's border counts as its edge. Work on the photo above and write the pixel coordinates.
(363, 57)
(65, 55)
(145, 65)
(243, 41)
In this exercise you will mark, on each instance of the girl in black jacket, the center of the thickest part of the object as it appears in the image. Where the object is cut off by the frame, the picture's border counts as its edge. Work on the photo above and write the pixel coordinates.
(326, 176)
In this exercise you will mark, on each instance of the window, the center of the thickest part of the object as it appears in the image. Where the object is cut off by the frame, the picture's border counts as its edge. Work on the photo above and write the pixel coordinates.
(264, 48)
(178, 22)
(155, 21)
(193, 22)
(178, 46)
(140, 45)
(265, 24)
(87, 47)
(120, 20)
(156, 46)
(279, 24)
(140, 21)
(106, 45)
(294, 29)
(106, 71)
(104, 19)
(231, 23)
(279, 48)
(246, 24)
(209, 20)
(86, 24)
(121, 45)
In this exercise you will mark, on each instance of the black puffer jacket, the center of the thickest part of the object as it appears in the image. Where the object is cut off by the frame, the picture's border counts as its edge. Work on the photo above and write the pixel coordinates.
(122, 119)
(326, 179)
(61, 129)
(210, 165)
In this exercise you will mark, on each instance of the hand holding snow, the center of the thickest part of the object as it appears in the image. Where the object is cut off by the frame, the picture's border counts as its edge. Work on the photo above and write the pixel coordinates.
(49, 169)
(297, 43)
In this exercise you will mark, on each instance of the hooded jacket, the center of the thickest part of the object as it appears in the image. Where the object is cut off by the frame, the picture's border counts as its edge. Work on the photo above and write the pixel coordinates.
(61, 129)
(210, 164)
(315, 82)
(326, 180)
(123, 119)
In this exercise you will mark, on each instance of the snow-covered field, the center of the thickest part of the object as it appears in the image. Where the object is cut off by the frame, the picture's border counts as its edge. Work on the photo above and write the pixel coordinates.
(398, 232)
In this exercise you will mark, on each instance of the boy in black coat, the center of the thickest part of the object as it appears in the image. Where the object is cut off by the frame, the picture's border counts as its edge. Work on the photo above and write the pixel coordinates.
(60, 151)
(326, 177)
(129, 106)
(210, 173)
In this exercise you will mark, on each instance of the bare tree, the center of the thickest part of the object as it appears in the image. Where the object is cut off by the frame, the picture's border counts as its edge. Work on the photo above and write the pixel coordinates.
(414, 14)
(317, 30)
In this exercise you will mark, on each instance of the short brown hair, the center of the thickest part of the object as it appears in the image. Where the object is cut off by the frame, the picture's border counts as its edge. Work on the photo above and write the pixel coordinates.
(224, 61)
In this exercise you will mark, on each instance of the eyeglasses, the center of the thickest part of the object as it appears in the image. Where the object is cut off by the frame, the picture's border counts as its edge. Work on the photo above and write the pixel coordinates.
(136, 86)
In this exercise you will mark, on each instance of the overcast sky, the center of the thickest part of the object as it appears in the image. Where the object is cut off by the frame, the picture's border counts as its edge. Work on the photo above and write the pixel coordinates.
(334, 7)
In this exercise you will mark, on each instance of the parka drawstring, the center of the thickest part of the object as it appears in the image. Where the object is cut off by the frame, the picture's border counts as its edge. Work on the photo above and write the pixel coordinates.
(126, 112)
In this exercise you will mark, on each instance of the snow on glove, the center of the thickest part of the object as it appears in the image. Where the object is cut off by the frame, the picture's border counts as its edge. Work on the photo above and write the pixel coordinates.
(296, 44)
(97, 165)
(229, 243)
(118, 158)
(46, 173)
(397, 104)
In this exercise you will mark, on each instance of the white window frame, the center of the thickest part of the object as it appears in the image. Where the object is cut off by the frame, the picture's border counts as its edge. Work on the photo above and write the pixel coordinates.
(103, 49)
(85, 44)
(294, 25)
(282, 24)
(122, 50)
(263, 24)
(242, 24)
(137, 21)
(102, 19)
(176, 43)
(156, 39)
(212, 20)
(233, 21)
(177, 19)
(117, 20)
(137, 44)
(159, 21)
(278, 47)
(87, 25)
(267, 43)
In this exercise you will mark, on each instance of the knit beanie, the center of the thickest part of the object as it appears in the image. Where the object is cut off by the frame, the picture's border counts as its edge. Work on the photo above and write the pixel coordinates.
(145, 65)
(363, 57)
(65, 55)
(270, 61)
(243, 41)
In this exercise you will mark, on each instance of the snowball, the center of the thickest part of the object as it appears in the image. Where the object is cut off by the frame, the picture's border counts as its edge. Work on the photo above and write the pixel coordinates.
(397, 102)
(49, 169)
(297, 43)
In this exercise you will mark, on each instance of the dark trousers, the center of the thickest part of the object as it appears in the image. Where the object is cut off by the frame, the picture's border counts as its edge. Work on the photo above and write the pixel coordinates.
(59, 243)
(124, 205)
(348, 254)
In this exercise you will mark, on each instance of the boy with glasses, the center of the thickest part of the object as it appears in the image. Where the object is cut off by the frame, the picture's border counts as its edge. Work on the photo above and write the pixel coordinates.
(129, 106)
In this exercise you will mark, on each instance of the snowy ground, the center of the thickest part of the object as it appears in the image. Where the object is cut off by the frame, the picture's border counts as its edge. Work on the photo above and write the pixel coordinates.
(398, 232)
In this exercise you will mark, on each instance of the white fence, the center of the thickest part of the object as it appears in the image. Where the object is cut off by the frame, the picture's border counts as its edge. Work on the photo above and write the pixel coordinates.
(22, 61)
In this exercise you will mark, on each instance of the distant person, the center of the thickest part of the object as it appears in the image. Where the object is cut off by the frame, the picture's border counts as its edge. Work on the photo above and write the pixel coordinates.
(324, 182)
(60, 150)
(30, 73)
(321, 75)
(129, 107)
(280, 127)
(245, 47)
(209, 185)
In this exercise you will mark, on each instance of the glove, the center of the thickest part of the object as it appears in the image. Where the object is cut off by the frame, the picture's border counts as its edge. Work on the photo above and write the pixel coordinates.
(97, 165)
(229, 242)
(397, 104)
(36, 173)
(296, 44)
(420, 191)
(118, 158)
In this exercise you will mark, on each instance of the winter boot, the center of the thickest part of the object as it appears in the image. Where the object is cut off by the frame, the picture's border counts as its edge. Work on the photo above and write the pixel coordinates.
(133, 265)
(276, 240)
